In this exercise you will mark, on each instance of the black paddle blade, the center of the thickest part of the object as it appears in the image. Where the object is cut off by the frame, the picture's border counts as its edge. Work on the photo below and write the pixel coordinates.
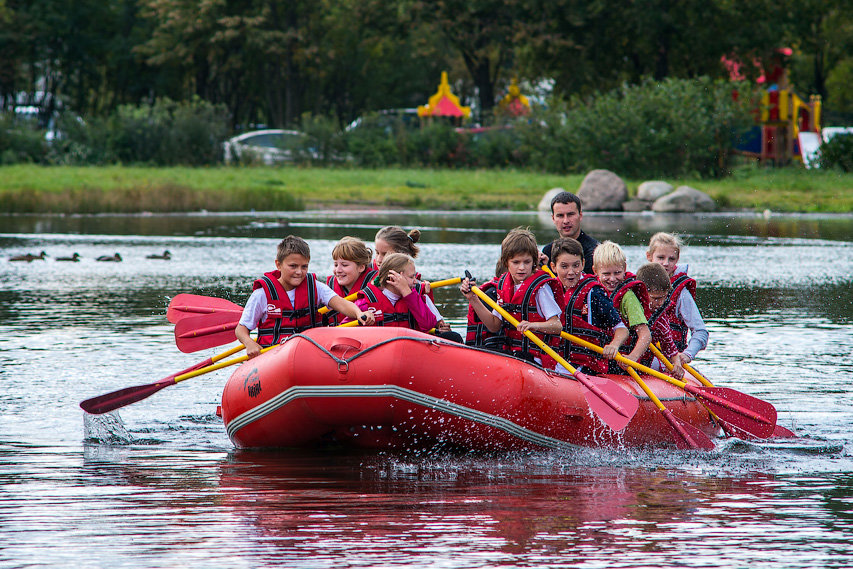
(117, 399)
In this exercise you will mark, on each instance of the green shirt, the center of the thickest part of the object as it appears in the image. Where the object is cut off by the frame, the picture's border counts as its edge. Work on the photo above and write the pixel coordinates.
(631, 310)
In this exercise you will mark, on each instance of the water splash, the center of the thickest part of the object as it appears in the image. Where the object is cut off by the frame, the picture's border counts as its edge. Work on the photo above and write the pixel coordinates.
(105, 429)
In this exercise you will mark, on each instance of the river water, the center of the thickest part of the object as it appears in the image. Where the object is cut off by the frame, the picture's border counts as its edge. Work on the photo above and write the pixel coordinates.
(158, 483)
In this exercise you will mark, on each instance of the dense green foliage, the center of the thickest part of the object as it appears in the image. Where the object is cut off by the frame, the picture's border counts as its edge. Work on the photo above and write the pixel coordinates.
(837, 153)
(630, 86)
(166, 133)
(271, 61)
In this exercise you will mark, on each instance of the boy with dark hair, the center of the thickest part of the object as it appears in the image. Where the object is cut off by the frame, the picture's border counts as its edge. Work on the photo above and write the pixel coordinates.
(285, 301)
(589, 313)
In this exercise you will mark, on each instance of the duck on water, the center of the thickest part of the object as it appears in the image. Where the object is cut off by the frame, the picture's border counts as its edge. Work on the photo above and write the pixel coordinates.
(29, 257)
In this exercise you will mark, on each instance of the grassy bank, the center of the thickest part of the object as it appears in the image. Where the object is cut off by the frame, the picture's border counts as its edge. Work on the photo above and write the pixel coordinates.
(25, 188)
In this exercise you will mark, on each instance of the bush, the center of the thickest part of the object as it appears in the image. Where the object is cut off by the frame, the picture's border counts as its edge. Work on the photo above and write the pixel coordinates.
(20, 142)
(373, 142)
(323, 141)
(438, 145)
(167, 133)
(672, 128)
(838, 153)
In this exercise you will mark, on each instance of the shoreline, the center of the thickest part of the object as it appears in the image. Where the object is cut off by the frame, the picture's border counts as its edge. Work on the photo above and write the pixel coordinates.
(29, 189)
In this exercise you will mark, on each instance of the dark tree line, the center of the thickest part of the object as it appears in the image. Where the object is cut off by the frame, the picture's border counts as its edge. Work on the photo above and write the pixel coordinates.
(271, 61)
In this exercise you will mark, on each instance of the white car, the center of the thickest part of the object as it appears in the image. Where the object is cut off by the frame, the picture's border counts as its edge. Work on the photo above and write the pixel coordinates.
(270, 146)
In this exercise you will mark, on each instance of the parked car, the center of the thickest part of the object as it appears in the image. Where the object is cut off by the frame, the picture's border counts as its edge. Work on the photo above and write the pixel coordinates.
(270, 146)
(387, 118)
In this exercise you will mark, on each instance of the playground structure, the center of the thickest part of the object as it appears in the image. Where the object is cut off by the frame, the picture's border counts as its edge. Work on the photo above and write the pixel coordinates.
(783, 118)
(444, 103)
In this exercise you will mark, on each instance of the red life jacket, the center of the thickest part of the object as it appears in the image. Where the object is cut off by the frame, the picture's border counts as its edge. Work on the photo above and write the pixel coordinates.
(668, 311)
(478, 334)
(575, 322)
(395, 315)
(284, 319)
(333, 317)
(521, 304)
(639, 289)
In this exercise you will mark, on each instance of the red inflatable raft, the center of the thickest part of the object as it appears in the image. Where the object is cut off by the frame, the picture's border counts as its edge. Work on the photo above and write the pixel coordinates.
(397, 388)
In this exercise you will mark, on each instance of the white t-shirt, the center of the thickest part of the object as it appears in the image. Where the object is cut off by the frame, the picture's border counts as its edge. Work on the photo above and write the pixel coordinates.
(255, 310)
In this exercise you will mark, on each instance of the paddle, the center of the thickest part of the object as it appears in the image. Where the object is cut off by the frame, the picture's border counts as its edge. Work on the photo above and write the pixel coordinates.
(745, 412)
(122, 397)
(206, 331)
(613, 405)
(686, 436)
(190, 305)
(126, 396)
(778, 431)
(201, 326)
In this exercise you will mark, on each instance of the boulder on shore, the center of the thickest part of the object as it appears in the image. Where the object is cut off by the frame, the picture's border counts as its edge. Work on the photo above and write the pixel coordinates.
(602, 190)
(684, 200)
(545, 202)
(653, 189)
(636, 205)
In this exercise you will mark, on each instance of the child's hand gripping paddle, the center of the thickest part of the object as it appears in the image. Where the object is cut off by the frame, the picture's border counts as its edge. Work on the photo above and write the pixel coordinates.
(612, 404)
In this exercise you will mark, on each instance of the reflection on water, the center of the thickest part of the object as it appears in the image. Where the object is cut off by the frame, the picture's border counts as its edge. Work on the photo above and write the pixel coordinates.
(158, 484)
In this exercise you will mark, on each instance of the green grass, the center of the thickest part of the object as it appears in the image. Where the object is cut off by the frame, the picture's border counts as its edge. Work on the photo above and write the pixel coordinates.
(28, 188)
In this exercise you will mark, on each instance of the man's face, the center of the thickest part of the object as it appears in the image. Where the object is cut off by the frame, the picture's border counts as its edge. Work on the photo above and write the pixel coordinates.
(567, 219)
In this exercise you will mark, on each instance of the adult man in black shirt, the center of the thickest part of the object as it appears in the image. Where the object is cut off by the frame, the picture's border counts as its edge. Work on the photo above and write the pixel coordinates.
(566, 213)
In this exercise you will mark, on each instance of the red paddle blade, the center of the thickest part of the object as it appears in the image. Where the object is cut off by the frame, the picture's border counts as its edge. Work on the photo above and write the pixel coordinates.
(207, 331)
(116, 399)
(189, 305)
(781, 432)
(685, 435)
(743, 411)
(612, 404)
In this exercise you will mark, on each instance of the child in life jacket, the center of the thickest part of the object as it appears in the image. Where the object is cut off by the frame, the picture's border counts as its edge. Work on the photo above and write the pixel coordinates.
(665, 250)
(392, 297)
(351, 272)
(658, 286)
(589, 313)
(285, 301)
(477, 334)
(628, 296)
(530, 295)
(392, 239)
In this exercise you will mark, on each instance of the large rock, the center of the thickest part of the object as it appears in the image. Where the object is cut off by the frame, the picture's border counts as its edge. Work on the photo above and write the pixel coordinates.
(684, 200)
(602, 190)
(636, 205)
(545, 202)
(653, 189)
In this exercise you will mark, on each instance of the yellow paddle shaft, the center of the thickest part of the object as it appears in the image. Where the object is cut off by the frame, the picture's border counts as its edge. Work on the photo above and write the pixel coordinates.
(436, 284)
(646, 389)
(622, 359)
(232, 351)
(533, 337)
(659, 355)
